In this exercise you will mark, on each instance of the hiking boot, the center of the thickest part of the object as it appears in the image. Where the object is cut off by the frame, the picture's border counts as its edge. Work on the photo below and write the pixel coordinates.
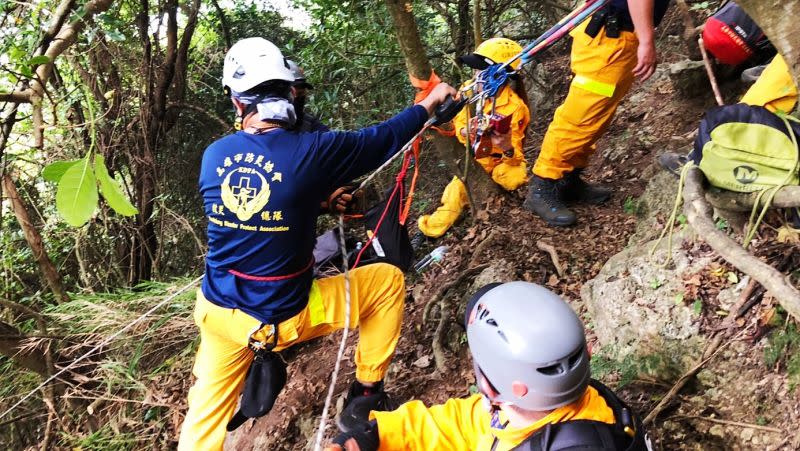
(672, 162)
(575, 189)
(360, 401)
(544, 199)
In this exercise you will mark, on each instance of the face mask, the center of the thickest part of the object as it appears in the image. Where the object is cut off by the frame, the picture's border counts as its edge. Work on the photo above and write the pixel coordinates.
(277, 109)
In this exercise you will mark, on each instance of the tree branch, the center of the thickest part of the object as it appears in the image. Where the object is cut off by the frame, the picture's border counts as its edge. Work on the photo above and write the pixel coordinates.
(786, 197)
(699, 213)
(223, 20)
(22, 96)
(34, 239)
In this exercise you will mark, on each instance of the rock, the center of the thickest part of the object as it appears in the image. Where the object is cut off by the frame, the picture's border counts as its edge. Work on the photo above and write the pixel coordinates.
(657, 201)
(717, 430)
(747, 434)
(498, 271)
(728, 297)
(632, 307)
(423, 362)
(689, 78)
(707, 378)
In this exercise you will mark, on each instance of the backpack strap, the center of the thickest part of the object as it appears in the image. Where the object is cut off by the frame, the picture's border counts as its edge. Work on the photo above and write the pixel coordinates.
(587, 435)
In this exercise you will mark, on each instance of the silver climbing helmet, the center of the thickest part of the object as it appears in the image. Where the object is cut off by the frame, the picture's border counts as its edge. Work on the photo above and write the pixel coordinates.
(528, 344)
(299, 75)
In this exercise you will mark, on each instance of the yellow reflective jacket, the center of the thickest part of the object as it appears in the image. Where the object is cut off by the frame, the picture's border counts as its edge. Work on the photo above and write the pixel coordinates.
(774, 89)
(465, 424)
(508, 172)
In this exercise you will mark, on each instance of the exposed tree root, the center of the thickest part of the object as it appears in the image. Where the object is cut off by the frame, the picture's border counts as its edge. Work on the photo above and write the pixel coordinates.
(443, 301)
(481, 247)
(731, 423)
(553, 256)
(699, 214)
(712, 349)
(786, 197)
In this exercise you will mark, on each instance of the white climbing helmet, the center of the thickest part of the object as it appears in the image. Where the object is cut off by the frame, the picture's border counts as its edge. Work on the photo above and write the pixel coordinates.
(528, 344)
(253, 61)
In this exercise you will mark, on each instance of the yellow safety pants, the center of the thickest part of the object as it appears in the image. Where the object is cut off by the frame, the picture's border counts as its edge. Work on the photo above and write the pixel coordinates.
(774, 89)
(603, 69)
(378, 294)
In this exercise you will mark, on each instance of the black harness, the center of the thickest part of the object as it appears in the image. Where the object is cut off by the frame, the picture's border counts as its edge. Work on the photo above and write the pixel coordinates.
(627, 434)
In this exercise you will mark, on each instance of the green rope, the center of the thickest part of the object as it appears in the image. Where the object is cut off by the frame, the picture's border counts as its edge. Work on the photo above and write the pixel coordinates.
(771, 192)
(668, 230)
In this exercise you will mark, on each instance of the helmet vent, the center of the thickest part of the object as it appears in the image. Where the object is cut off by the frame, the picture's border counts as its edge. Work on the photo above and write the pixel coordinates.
(552, 370)
(483, 313)
(491, 322)
(239, 72)
(575, 358)
(502, 335)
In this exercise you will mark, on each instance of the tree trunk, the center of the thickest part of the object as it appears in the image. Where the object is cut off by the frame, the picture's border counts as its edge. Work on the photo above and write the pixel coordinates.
(405, 28)
(778, 20)
(165, 85)
(476, 23)
(34, 240)
(448, 150)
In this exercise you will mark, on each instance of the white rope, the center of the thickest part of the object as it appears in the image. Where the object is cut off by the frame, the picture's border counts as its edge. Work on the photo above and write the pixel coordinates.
(103, 343)
(346, 331)
(402, 151)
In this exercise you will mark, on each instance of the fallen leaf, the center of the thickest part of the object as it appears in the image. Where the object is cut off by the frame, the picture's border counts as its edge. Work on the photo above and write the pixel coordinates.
(787, 234)
(553, 280)
(766, 316)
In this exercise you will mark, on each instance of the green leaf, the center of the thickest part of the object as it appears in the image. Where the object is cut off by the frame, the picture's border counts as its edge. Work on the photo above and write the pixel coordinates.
(54, 171)
(111, 190)
(732, 277)
(115, 35)
(656, 284)
(37, 60)
(697, 306)
(679, 299)
(76, 197)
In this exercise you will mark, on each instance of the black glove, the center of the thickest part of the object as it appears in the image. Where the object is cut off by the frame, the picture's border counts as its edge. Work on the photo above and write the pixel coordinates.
(365, 439)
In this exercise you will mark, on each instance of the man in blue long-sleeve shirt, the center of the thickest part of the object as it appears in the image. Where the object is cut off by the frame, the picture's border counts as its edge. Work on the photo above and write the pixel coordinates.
(262, 187)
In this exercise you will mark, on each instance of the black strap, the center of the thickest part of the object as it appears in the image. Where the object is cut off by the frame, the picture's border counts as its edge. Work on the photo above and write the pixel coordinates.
(611, 20)
(586, 435)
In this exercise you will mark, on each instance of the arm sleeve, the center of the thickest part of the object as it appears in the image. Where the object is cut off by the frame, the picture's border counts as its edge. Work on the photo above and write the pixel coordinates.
(455, 425)
(344, 156)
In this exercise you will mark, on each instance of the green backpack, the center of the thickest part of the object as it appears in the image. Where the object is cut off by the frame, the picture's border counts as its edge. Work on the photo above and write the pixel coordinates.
(747, 148)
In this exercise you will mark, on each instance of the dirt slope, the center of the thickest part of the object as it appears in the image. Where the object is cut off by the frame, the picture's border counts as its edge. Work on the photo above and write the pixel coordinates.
(651, 120)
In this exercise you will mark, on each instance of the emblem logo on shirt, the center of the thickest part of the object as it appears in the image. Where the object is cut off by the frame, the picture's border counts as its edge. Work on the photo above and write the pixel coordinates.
(245, 190)
(248, 195)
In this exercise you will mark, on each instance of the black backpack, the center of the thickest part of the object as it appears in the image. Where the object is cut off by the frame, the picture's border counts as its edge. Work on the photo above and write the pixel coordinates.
(627, 434)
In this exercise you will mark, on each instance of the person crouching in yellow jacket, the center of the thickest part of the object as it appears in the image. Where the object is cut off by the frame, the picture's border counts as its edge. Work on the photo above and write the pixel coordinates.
(506, 163)
(532, 371)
